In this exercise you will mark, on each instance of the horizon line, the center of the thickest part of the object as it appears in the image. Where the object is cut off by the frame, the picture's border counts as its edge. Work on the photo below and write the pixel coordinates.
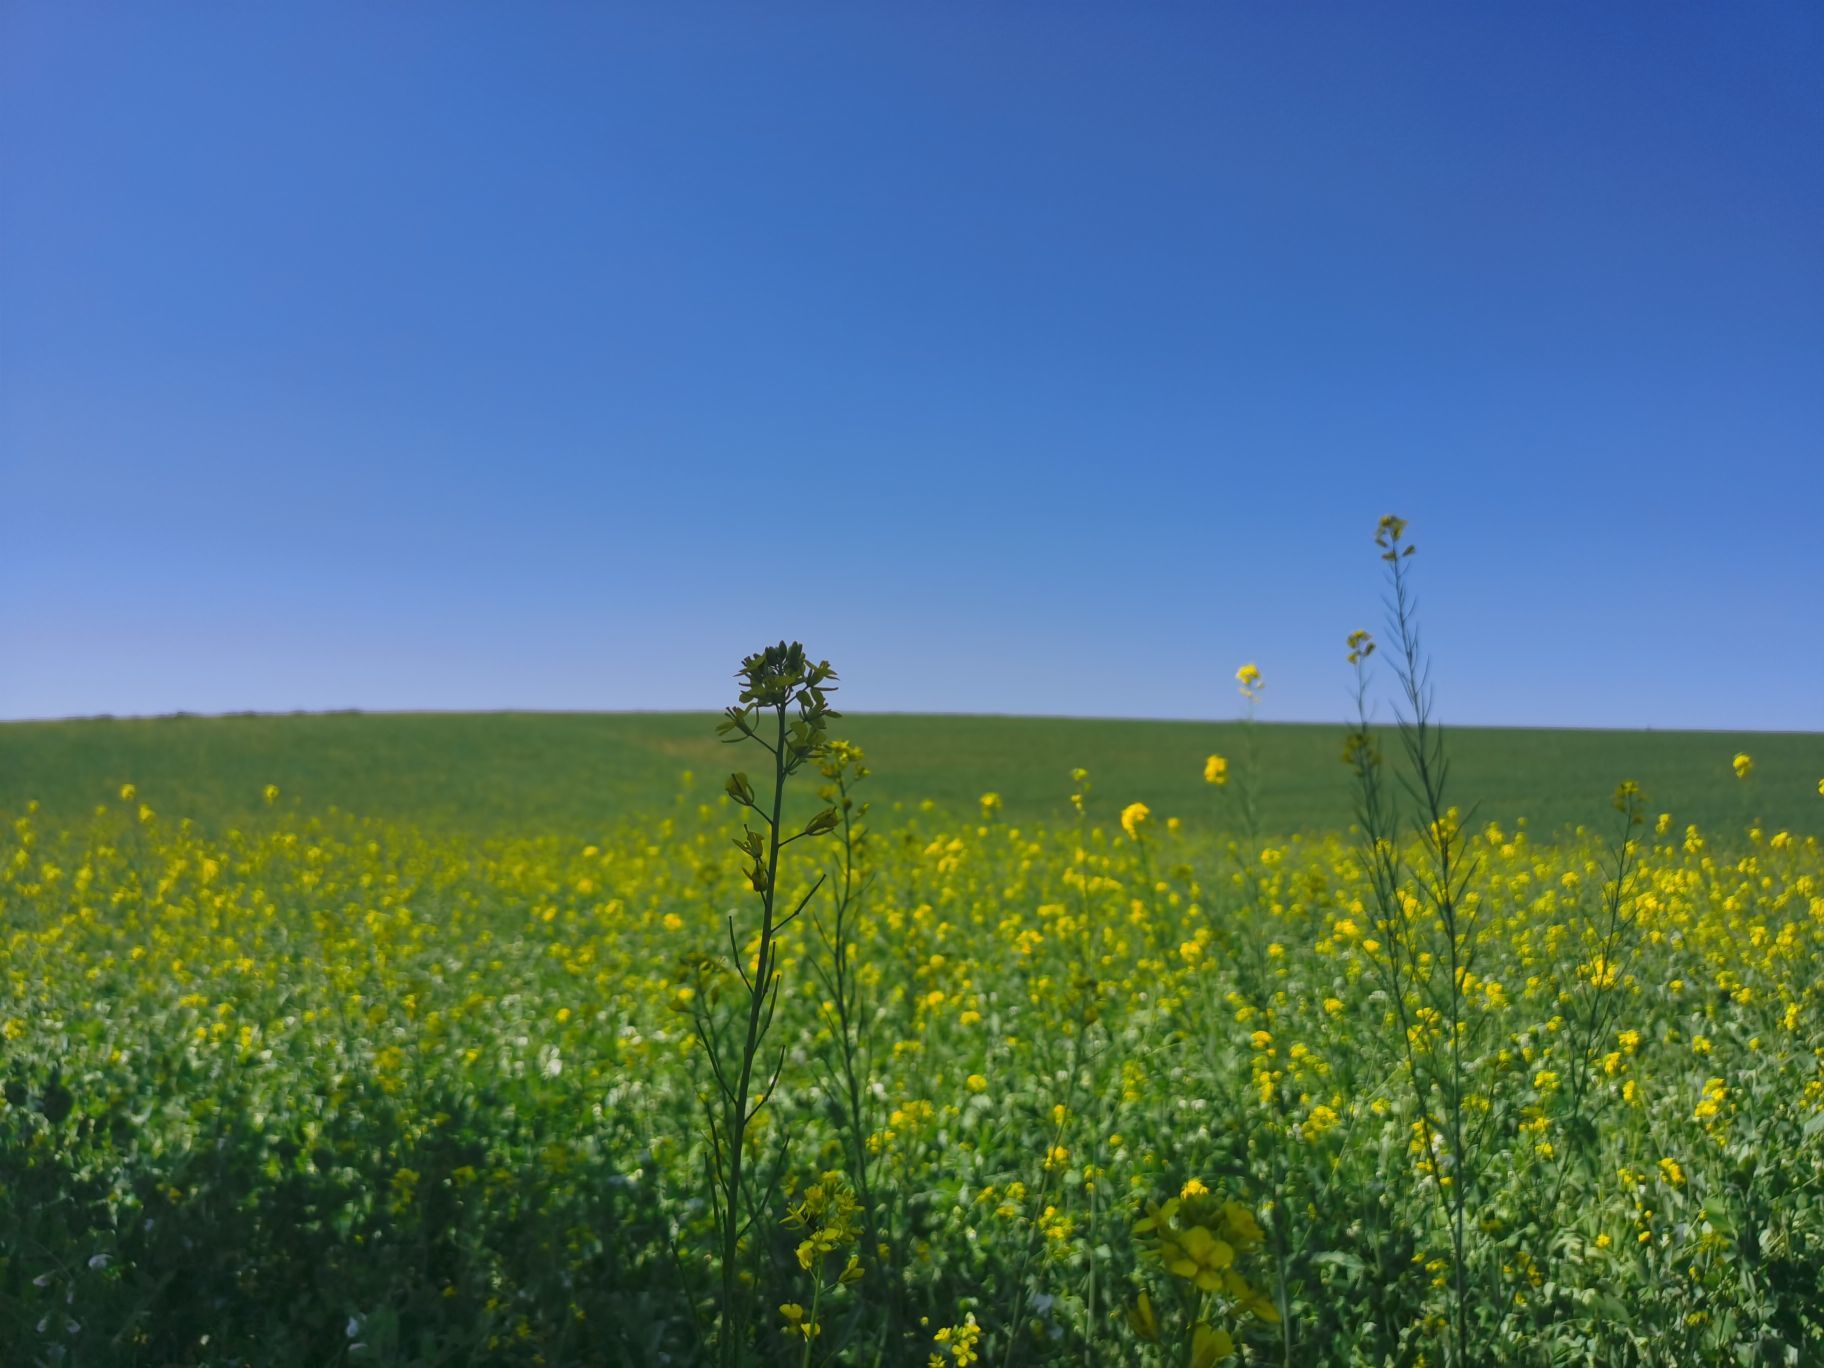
(254, 713)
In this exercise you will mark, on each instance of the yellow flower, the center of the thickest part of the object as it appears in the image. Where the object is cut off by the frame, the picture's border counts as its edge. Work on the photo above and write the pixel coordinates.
(1361, 646)
(1744, 766)
(1216, 770)
(1321, 1120)
(976, 1083)
(829, 1213)
(991, 804)
(270, 793)
(1210, 1346)
(1239, 1225)
(960, 1340)
(128, 793)
(1193, 1187)
(1194, 1254)
(1143, 1319)
(1133, 817)
(797, 1322)
(1248, 677)
(1716, 1093)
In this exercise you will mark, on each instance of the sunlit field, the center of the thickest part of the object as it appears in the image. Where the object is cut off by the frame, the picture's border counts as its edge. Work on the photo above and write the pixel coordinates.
(304, 1087)
(751, 1070)
(728, 685)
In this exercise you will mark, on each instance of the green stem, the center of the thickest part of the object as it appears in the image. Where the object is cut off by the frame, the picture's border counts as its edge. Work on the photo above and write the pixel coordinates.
(737, 1114)
(811, 1324)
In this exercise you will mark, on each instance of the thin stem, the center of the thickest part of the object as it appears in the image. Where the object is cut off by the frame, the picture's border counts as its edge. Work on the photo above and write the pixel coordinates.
(738, 1115)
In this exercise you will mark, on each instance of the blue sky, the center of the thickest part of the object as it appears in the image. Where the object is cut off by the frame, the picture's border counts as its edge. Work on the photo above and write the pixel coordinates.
(1017, 357)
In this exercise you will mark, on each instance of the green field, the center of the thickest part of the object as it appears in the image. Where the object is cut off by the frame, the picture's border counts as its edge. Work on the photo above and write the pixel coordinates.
(573, 772)
(410, 1041)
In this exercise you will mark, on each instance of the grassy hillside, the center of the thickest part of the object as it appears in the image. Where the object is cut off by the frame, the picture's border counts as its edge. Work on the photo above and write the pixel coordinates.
(576, 772)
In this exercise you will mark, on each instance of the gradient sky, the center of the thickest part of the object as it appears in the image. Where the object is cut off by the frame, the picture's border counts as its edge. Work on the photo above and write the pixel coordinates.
(1037, 357)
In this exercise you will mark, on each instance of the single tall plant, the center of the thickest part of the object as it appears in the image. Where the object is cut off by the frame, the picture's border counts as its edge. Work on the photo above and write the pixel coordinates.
(784, 709)
(1427, 927)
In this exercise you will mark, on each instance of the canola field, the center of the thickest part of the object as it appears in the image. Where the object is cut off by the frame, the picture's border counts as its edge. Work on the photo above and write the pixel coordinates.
(311, 1088)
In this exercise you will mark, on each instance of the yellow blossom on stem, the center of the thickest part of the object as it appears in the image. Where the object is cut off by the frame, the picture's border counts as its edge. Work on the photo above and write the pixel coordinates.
(1143, 1319)
(1133, 817)
(1210, 1346)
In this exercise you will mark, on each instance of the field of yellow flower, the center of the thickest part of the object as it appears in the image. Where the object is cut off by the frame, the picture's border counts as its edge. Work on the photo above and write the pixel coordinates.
(323, 1090)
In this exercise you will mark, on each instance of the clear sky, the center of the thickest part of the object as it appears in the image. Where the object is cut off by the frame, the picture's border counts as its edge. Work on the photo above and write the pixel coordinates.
(1039, 357)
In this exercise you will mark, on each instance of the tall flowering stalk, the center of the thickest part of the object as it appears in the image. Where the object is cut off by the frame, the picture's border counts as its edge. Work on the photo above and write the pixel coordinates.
(784, 709)
(1256, 977)
(1428, 928)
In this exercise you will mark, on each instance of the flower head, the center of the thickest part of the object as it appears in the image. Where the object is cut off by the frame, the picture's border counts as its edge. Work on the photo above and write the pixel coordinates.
(1744, 765)
(960, 1342)
(1133, 817)
(1216, 770)
(830, 1217)
(1248, 677)
(1387, 534)
(1210, 1346)
(798, 1321)
(1197, 1237)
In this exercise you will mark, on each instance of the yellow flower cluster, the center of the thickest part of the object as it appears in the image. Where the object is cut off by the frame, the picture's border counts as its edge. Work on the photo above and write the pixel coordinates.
(957, 1344)
(1057, 1015)
(1133, 817)
(829, 1215)
(1199, 1238)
